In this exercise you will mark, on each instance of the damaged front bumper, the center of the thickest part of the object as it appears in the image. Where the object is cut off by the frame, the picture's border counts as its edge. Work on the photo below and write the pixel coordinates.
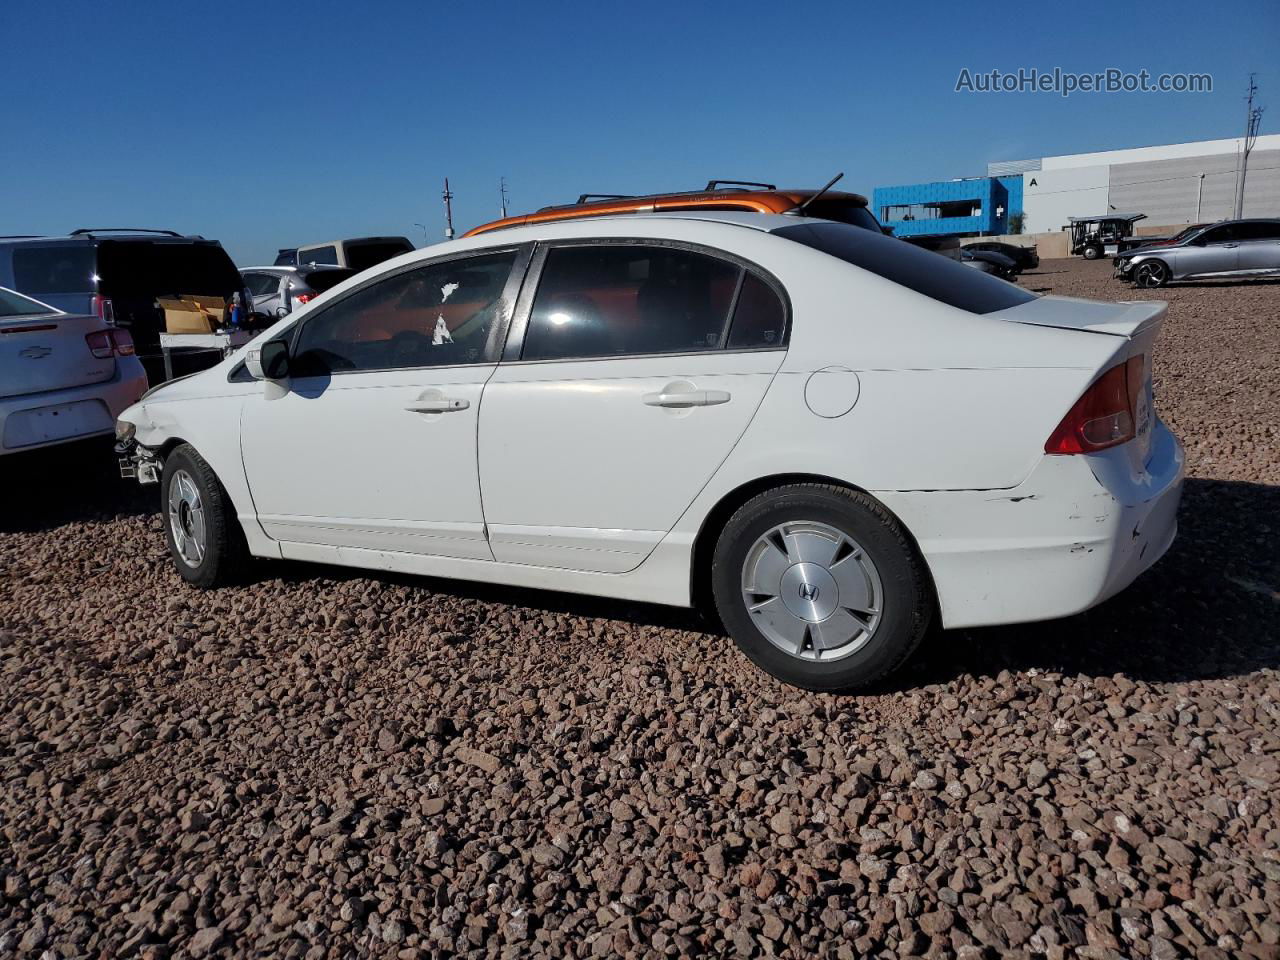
(138, 462)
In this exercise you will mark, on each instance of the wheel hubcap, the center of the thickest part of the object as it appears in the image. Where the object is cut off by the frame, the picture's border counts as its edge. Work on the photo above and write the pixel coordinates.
(186, 518)
(812, 591)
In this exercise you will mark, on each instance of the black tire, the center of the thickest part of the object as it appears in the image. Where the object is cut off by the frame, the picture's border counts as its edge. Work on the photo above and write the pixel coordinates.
(1092, 253)
(224, 553)
(906, 595)
(1151, 274)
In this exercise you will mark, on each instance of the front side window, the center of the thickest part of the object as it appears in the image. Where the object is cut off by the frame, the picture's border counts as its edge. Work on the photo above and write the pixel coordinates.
(1217, 235)
(617, 300)
(438, 315)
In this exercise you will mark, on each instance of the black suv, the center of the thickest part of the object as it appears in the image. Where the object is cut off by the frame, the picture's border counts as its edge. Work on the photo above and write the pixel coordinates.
(117, 274)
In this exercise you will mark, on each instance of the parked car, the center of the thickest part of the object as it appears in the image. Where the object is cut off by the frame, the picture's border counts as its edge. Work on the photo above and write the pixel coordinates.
(1024, 257)
(741, 195)
(62, 376)
(835, 436)
(358, 253)
(996, 264)
(117, 274)
(276, 291)
(1231, 248)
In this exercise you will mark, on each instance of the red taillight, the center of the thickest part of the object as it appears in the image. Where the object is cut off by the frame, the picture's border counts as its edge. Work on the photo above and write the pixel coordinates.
(1105, 416)
(303, 297)
(106, 343)
(123, 341)
(99, 344)
(103, 309)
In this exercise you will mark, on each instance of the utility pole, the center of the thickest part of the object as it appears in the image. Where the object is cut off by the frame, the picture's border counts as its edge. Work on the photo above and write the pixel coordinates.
(1252, 120)
(502, 192)
(448, 211)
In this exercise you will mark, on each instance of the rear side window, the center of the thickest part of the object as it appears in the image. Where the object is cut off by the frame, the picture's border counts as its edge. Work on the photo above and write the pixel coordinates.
(759, 319)
(936, 277)
(1263, 230)
(319, 255)
(64, 269)
(617, 300)
(262, 284)
(438, 315)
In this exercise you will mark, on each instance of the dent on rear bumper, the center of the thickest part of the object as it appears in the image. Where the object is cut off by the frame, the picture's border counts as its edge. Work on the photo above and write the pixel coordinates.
(1073, 534)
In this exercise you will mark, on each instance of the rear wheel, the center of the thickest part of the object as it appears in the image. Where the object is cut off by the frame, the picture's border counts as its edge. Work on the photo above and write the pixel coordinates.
(820, 587)
(1092, 252)
(1151, 273)
(204, 536)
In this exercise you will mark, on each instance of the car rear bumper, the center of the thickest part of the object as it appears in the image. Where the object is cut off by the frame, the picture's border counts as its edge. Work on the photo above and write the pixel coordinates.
(1079, 530)
(44, 419)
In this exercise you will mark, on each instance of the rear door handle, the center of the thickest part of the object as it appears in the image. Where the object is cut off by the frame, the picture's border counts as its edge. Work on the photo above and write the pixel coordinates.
(692, 398)
(442, 405)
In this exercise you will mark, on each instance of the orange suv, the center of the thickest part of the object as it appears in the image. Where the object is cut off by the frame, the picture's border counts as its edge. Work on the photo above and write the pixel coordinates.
(718, 195)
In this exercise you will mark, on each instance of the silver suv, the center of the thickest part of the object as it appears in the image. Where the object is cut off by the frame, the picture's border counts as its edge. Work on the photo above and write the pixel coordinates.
(1229, 248)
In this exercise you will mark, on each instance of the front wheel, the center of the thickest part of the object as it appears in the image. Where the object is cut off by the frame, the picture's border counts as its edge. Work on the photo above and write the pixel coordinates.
(204, 536)
(820, 587)
(1151, 273)
(1092, 253)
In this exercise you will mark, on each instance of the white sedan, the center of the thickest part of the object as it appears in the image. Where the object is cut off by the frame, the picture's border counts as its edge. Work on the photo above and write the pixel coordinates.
(63, 376)
(833, 437)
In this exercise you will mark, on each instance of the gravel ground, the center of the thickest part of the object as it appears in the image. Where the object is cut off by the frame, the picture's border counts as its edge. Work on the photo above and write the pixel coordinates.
(328, 764)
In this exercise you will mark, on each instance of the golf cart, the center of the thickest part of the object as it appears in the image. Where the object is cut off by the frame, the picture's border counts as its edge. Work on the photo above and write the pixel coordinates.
(1091, 237)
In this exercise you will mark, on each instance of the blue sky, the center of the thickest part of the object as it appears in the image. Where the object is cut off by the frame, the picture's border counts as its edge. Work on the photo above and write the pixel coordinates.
(269, 124)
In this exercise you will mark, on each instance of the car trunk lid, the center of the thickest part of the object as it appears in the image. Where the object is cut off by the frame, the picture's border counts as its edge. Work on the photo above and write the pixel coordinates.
(49, 352)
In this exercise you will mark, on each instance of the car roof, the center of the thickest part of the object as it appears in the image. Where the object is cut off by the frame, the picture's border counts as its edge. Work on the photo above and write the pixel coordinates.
(759, 201)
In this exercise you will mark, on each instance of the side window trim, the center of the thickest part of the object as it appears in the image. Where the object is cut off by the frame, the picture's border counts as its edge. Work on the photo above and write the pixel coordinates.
(513, 352)
(518, 267)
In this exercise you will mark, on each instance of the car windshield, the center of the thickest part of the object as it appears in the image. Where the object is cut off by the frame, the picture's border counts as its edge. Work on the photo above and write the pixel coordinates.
(16, 305)
(1187, 233)
(929, 274)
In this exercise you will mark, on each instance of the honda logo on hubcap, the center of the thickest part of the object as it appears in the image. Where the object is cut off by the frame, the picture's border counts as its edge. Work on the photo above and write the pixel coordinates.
(808, 591)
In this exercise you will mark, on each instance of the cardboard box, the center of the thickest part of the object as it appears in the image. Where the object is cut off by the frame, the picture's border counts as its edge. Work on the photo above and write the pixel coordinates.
(192, 314)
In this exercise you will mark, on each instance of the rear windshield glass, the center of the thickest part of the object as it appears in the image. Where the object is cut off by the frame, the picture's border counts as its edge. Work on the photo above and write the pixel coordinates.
(318, 255)
(843, 211)
(362, 256)
(930, 274)
(16, 305)
(322, 280)
(148, 270)
(61, 269)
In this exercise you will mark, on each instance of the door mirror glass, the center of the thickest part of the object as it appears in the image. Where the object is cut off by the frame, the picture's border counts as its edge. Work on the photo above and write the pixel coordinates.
(273, 360)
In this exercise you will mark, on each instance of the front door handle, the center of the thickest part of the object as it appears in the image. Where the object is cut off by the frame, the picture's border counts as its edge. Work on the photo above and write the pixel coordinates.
(441, 405)
(691, 398)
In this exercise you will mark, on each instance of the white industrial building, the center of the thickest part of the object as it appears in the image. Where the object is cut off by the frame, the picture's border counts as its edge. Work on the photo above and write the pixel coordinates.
(1175, 184)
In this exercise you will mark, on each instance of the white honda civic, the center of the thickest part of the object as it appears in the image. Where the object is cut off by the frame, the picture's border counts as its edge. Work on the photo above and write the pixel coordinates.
(833, 437)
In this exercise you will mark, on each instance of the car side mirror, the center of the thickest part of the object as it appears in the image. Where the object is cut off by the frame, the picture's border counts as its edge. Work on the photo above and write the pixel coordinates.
(268, 362)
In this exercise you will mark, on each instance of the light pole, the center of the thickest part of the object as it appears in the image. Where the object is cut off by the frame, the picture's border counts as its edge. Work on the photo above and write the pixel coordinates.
(1199, 195)
(1252, 120)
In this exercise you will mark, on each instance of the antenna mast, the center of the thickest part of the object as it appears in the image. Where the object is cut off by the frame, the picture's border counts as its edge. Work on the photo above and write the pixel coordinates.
(502, 192)
(448, 210)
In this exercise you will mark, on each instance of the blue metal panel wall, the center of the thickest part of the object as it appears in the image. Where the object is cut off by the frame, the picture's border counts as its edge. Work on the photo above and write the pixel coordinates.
(1013, 184)
(987, 191)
